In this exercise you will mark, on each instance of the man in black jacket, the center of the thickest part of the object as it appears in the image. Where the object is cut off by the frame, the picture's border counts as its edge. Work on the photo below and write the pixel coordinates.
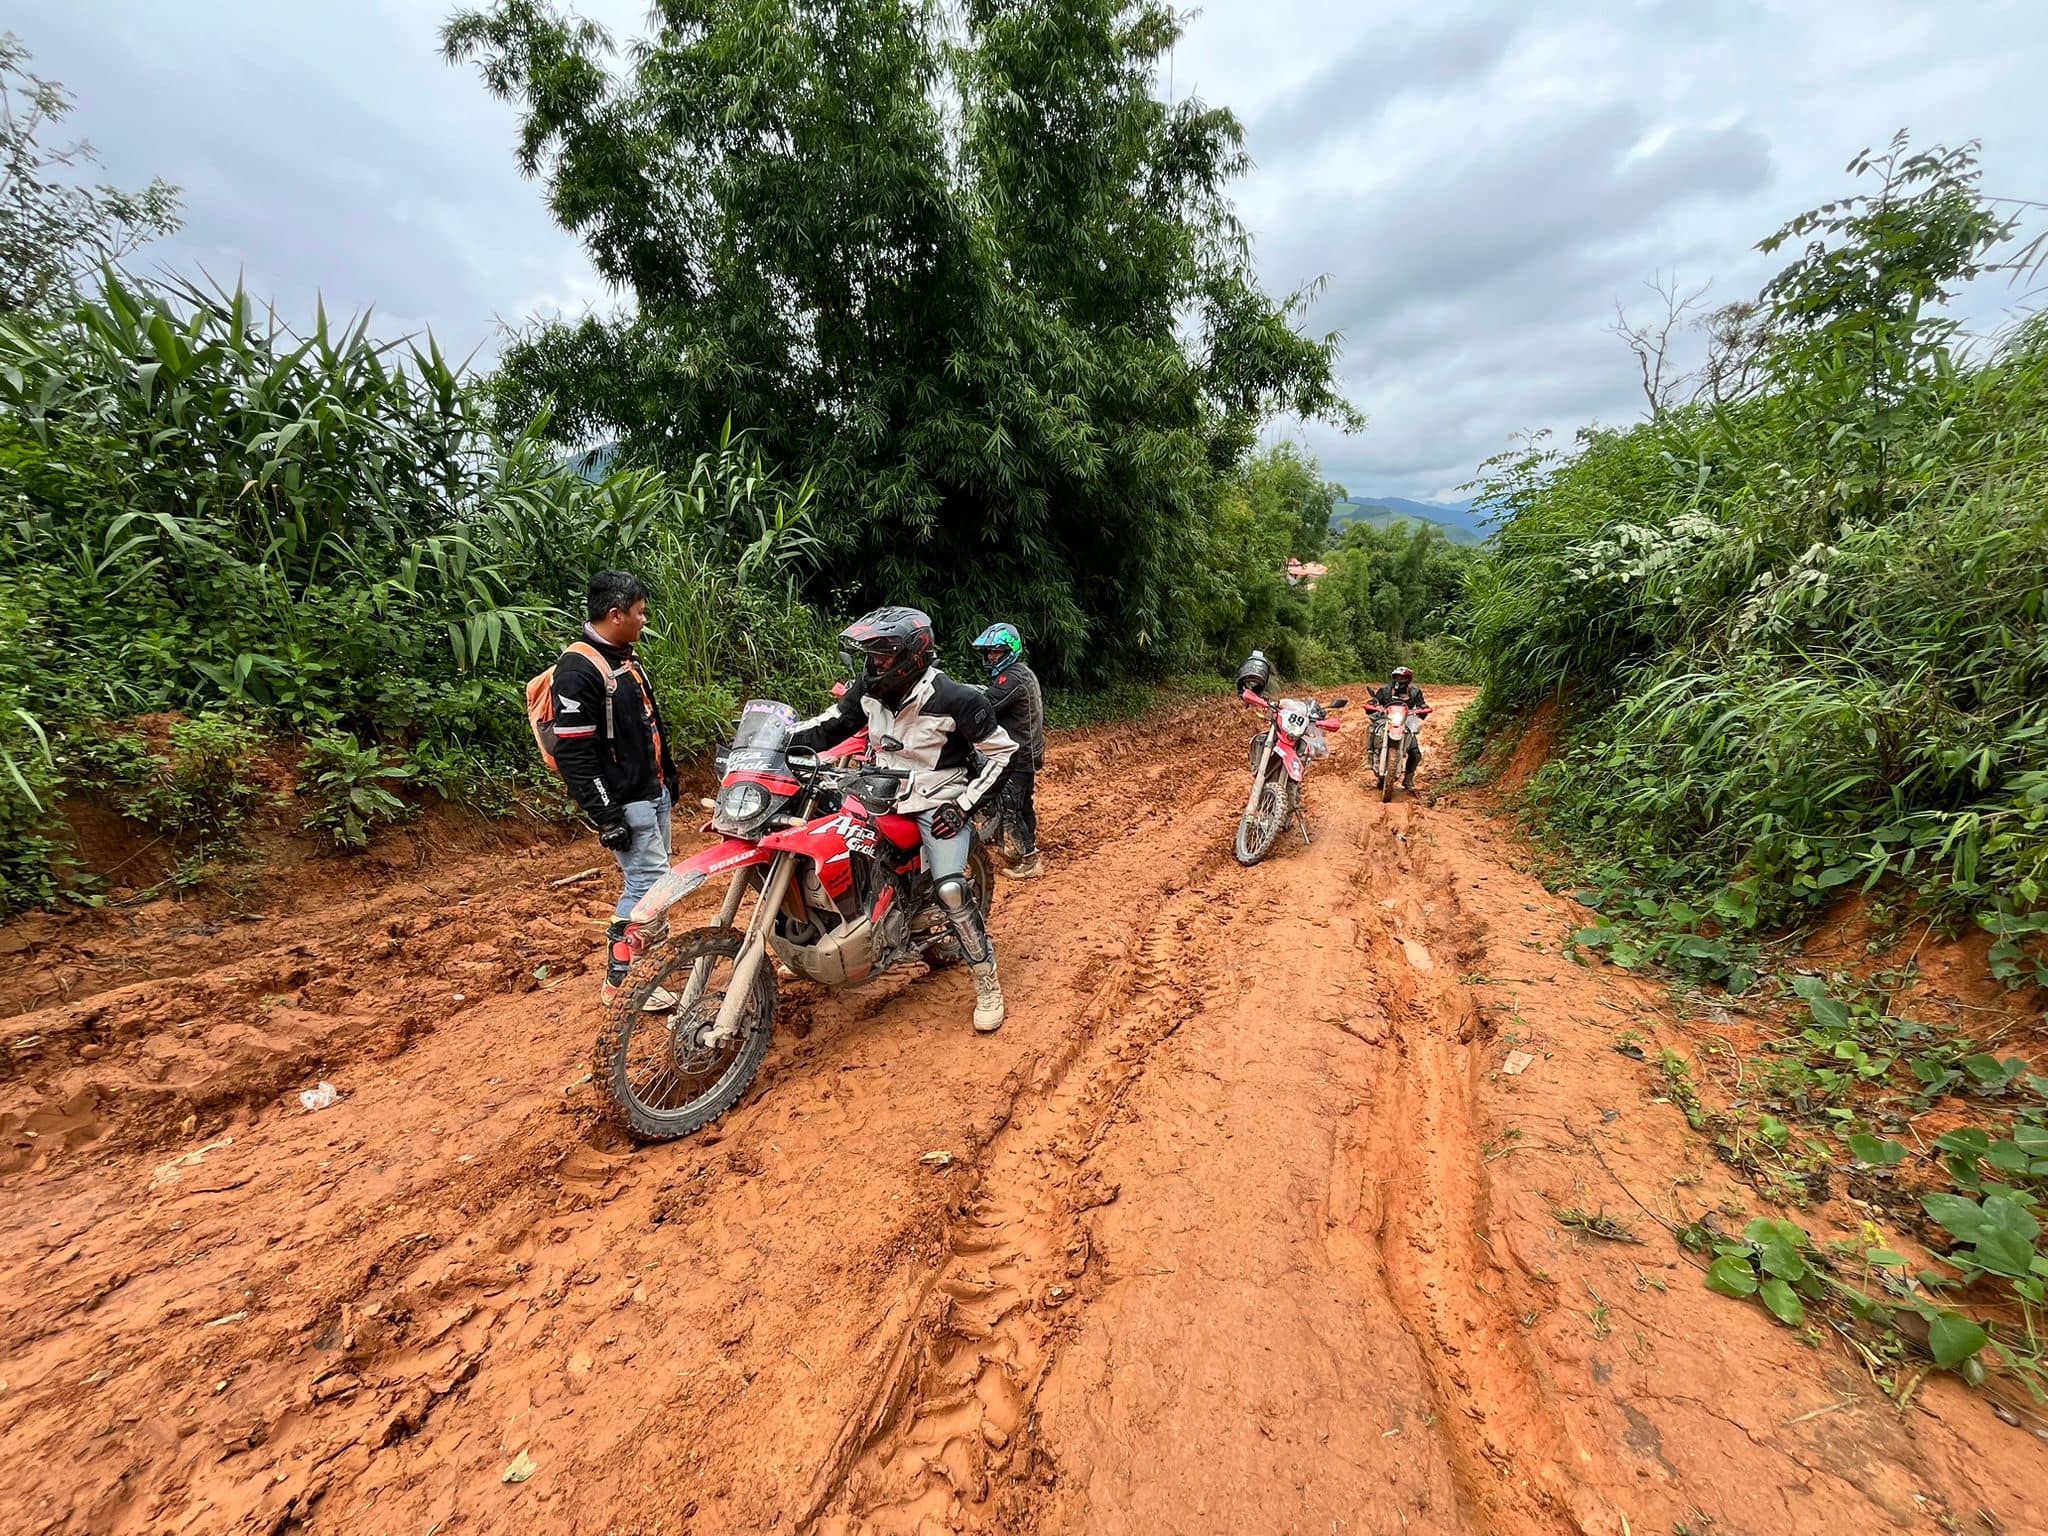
(1401, 688)
(613, 755)
(1020, 710)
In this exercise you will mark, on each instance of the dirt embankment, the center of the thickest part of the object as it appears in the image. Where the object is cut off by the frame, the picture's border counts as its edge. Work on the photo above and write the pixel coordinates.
(1243, 1224)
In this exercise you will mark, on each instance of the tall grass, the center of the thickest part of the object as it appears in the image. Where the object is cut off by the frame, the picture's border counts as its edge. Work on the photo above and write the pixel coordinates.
(200, 508)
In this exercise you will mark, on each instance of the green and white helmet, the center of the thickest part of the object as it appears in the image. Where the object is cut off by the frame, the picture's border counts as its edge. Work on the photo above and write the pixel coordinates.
(999, 646)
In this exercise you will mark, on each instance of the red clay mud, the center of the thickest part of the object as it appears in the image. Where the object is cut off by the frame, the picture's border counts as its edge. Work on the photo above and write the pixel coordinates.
(1237, 1226)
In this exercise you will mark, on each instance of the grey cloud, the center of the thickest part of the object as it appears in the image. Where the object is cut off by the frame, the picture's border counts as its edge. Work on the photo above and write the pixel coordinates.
(1474, 290)
(1448, 228)
(337, 157)
(1350, 93)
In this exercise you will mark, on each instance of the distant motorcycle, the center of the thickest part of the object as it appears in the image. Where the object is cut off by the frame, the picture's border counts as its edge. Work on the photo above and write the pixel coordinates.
(1396, 744)
(1293, 737)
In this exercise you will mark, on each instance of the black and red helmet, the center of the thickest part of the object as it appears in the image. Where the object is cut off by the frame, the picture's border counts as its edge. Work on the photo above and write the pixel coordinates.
(1403, 676)
(891, 648)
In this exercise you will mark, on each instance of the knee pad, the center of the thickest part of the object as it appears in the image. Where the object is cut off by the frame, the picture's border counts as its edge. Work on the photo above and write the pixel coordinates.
(953, 893)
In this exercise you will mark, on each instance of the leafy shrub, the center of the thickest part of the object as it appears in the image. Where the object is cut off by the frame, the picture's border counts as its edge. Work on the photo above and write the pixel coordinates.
(348, 784)
(28, 784)
(209, 784)
(1803, 629)
(201, 512)
(203, 786)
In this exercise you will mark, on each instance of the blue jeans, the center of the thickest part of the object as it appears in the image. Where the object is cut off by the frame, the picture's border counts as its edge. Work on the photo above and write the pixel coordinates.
(646, 861)
(944, 856)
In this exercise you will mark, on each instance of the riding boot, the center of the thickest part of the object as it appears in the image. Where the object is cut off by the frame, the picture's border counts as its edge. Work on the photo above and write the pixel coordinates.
(980, 954)
(1028, 866)
(988, 998)
(622, 948)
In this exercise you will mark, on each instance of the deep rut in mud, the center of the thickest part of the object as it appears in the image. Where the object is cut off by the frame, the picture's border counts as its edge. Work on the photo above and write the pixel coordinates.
(1239, 1225)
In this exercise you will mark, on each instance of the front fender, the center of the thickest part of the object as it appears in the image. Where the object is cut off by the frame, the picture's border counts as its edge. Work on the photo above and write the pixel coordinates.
(720, 858)
(1289, 757)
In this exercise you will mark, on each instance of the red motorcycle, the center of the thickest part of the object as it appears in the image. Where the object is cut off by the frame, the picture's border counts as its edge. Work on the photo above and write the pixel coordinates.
(841, 895)
(1293, 737)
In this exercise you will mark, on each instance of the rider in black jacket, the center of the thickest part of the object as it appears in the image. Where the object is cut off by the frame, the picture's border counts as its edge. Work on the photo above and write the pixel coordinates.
(1401, 689)
(1020, 708)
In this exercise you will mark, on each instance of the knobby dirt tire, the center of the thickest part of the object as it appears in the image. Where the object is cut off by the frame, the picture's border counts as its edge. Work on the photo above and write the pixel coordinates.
(1261, 829)
(671, 959)
(1391, 776)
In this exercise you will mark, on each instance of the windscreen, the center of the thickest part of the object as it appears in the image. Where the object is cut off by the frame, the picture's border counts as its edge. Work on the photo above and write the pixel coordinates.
(765, 726)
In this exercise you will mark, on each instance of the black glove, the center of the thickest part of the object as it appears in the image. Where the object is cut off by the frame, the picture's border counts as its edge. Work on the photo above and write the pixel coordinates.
(616, 835)
(947, 821)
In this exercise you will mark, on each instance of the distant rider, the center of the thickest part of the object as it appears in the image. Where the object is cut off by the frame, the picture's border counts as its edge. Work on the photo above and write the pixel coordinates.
(1401, 689)
(921, 722)
(1020, 710)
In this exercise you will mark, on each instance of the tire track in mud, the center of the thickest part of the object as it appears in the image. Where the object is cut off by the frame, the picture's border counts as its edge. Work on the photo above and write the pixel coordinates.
(393, 1311)
(947, 1440)
(1430, 1224)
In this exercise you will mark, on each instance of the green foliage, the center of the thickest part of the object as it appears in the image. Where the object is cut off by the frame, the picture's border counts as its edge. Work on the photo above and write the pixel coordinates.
(1802, 629)
(349, 786)
(28, 784)
(200, 510)
(963, 266)
(54, 232)
(1068, 709)
(203, 786)
(1386, 600)
(1869, 1293)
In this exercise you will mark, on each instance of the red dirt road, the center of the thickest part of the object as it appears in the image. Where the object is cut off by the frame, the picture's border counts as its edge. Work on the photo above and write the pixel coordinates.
(1242, 1228)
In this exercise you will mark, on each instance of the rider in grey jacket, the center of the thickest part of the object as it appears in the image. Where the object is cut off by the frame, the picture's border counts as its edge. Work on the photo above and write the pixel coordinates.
(944, 735)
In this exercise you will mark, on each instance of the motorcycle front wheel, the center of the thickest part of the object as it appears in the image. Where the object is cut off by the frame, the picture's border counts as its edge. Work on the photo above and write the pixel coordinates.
(1259, 828)
(661, 1082)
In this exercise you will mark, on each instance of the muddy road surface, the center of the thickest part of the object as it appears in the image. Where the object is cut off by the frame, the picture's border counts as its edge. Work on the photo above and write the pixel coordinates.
(1242, 1224)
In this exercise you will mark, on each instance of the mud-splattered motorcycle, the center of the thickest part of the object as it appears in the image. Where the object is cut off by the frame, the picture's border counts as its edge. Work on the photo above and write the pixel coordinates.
(840, 896)
(1280, 754)
(1396, 745)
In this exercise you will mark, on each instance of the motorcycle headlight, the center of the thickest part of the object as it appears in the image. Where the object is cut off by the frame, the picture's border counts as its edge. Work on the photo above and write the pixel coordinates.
(741, 803)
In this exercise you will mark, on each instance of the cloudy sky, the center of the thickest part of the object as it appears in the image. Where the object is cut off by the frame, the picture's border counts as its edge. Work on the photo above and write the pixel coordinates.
(1478, 183)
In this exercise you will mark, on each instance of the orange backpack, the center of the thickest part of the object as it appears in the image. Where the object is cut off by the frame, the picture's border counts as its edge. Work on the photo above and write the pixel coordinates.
(540, 702)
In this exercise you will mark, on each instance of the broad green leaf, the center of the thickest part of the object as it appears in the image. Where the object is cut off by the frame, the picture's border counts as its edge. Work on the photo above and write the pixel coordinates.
(1877, 1151)
(1781, 1259)
(2004, 1252)
(1968, 1141)
(1957, 1214)
(1953, 1338)
(2006, 1212)
(1783, 1301)
(1731, 1277)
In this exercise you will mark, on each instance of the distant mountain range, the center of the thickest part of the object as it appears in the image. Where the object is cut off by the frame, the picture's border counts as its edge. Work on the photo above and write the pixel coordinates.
(1455, 519)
